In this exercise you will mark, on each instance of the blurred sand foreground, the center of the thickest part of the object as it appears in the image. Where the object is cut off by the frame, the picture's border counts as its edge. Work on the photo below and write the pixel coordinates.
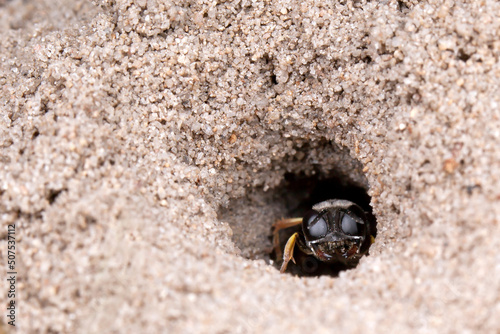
(143, 144)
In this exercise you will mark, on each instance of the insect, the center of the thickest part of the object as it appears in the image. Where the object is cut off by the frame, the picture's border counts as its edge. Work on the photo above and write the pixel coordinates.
(335, 231)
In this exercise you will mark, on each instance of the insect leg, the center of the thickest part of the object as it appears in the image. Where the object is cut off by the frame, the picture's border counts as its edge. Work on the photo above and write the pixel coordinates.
(279, 225)
(288, 252)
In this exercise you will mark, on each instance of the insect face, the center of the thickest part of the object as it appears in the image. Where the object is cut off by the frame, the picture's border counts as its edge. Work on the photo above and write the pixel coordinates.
(336, 231)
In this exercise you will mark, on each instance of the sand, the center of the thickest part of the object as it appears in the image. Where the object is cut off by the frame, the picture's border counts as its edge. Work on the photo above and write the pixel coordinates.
(145, 144)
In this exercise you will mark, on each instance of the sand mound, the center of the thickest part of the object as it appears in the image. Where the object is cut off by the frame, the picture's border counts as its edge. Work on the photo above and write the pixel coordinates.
(145, 146)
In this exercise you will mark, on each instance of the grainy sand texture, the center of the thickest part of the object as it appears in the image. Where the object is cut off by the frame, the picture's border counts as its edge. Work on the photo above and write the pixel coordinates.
(145, 147)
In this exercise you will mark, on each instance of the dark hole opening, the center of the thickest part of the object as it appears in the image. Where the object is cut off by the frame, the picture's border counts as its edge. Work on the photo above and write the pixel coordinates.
(251, 217)
(300, 193)
(303, 192)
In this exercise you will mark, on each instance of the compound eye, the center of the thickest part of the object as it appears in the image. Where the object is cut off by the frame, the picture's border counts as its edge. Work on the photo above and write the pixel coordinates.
(351, 226)
(315, 224)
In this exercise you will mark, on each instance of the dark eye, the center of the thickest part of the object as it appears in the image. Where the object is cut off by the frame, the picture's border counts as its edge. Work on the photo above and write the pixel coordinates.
(351, 226)
(316, 226)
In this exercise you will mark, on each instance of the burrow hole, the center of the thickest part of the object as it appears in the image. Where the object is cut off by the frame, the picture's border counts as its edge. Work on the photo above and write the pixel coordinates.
(251, 217)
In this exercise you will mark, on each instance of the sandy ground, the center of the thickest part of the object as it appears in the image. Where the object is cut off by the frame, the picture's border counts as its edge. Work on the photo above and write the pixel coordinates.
(144, 145)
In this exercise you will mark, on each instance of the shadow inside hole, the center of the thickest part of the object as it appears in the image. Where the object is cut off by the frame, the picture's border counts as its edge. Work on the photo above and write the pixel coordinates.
(251, 217)
(300, 193)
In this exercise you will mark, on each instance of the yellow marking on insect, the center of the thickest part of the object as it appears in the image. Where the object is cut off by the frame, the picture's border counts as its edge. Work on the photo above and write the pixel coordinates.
(279, 225)
(288, 251)
(372, 239)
